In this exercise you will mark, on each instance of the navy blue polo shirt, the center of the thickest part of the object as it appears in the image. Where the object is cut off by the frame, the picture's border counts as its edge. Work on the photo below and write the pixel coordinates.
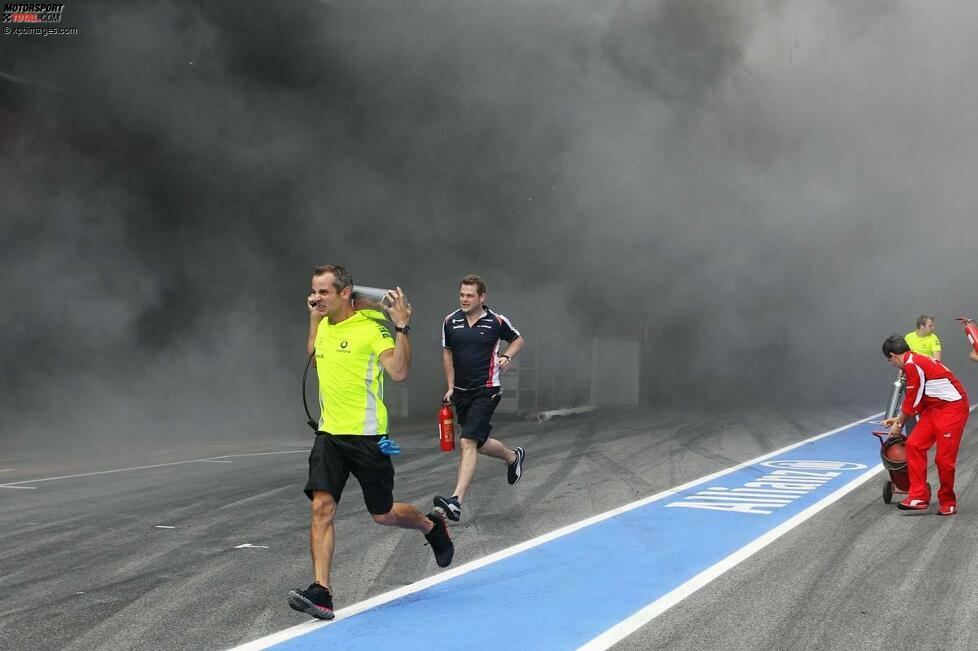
(475, 348)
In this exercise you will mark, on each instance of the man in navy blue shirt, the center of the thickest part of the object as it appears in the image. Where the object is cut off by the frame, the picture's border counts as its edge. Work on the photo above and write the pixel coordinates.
(470, 354)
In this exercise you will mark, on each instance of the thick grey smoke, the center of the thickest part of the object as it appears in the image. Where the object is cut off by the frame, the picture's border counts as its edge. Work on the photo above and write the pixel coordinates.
(772, 186)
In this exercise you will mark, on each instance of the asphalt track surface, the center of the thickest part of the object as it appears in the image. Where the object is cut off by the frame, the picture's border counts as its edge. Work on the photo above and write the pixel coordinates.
(86, 564)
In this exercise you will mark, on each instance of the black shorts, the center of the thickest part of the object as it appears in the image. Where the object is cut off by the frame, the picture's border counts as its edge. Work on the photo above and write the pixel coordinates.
(334, 457)
(474, 410)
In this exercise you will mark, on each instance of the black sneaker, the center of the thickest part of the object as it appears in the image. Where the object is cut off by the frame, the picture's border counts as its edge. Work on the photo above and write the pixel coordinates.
(314, 600)
(515, 469)
(441, 543)
(450, 506)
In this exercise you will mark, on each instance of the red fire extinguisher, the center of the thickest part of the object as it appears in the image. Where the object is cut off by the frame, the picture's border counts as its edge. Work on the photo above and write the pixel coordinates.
(970, 331)
(446, 427)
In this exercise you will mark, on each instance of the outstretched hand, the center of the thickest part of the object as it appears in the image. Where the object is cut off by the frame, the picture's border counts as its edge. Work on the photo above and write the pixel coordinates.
(389, 447)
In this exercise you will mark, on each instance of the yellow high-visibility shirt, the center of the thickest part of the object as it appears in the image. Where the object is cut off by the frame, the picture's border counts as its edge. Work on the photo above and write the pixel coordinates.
(351, 379)
(927, 345)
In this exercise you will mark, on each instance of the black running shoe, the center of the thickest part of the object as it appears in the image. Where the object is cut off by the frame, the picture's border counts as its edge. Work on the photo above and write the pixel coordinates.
(450, 506)
(515, 469)
(314, 600)
(441, 543)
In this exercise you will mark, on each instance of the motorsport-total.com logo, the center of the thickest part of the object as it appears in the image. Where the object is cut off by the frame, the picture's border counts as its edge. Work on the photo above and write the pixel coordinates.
(28, 12)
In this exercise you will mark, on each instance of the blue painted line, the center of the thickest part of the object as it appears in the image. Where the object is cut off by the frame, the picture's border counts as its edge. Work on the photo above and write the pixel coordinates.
(567, 591)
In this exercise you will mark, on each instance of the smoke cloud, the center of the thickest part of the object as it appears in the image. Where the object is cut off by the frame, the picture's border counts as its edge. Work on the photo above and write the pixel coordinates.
(770, 187)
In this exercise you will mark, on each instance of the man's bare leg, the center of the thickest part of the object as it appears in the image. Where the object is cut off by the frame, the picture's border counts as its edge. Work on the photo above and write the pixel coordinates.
(494, 448)
(435, 532)
(466, 467)
(405, 516)
(321, 535)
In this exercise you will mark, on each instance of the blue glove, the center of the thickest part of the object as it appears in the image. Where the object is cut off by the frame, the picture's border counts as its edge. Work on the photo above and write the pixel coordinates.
(389, 447)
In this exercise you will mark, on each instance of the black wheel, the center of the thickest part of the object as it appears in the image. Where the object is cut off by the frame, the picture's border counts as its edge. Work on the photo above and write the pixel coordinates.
(887, 492)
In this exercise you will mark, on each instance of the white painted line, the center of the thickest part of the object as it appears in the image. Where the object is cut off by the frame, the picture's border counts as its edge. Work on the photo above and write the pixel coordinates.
(625, 628)
(163, 526)
(259, 454)
(15, 484)
(6, 469)
(213, 461)
(250, 546)
(295, 631)
(26, 488)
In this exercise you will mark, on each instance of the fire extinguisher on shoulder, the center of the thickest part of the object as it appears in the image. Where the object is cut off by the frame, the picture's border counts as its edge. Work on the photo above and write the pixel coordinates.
(446, 427)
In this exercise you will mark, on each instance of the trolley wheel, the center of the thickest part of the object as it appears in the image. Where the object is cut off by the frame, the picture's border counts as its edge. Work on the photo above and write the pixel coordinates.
(887, 492)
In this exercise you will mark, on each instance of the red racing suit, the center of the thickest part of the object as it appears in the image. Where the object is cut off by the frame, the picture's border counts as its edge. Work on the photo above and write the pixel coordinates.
(941, 403)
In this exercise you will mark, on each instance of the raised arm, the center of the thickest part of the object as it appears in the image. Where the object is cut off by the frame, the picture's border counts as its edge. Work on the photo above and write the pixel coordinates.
(315, 316)
(397, 361)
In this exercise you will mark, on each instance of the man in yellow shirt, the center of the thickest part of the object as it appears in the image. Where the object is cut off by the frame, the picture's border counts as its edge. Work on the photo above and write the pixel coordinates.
(352, 352)
(923, 340)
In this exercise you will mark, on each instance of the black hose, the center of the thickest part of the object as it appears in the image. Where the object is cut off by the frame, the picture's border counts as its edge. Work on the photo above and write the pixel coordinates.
(305, 405)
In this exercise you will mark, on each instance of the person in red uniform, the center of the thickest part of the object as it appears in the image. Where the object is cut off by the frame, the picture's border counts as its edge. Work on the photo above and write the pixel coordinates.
(941, 404)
